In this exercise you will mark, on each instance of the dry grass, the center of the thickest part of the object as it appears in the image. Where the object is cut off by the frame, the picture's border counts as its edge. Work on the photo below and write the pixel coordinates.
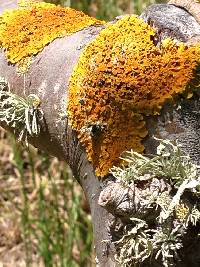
(43, 215)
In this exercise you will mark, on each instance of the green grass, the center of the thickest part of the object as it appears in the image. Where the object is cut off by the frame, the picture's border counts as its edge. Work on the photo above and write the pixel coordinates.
(55, 224)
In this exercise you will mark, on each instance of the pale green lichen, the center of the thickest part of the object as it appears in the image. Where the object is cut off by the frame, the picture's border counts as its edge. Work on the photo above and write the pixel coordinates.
(172, 212)
(24, 115)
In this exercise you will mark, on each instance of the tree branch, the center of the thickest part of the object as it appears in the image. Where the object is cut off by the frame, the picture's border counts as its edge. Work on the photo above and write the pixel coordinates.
(48, 78)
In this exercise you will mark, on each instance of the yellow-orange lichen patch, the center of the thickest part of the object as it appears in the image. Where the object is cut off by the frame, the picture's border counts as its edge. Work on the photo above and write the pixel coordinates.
(121, 77)
(25, 31)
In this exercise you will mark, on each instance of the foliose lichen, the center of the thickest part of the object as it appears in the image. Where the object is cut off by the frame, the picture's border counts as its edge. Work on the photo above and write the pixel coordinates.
(165, 212)
(27, 30)
(23, 114)
(121, 78)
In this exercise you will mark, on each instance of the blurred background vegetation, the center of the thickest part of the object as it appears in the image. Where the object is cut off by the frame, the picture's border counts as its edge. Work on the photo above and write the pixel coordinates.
(44, 218)
(106, 9)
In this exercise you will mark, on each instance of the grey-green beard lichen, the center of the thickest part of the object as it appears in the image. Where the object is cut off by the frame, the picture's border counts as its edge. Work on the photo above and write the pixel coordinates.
(24, 115)
(171, 210)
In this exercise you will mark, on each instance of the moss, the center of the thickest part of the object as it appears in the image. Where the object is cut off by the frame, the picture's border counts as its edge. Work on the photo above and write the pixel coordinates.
(122, 77)
(25, 31)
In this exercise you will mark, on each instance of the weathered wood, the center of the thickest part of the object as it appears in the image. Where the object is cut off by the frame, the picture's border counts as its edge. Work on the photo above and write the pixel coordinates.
(192, 6)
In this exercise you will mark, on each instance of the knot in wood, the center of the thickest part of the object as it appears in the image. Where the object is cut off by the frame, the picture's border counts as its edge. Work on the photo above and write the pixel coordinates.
(118, 199)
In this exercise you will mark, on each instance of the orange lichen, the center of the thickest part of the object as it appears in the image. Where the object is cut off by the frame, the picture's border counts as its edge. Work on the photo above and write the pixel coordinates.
(25, 31)
(121, 77)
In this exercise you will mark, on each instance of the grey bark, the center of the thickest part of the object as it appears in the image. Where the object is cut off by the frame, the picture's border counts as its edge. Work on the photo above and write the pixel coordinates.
(48, 77)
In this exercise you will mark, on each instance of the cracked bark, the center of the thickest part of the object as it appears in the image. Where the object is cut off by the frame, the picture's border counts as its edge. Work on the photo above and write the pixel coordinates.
(48, 77)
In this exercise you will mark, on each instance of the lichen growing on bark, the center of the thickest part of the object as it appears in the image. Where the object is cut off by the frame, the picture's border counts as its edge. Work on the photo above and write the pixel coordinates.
(25, 31)
(121, 77)
(23, 114)
(166, 188)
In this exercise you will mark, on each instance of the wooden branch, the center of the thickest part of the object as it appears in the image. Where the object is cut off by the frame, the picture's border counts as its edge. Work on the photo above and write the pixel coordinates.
(48, 78)
(177, 22)
(57, 138)
(192, 6)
